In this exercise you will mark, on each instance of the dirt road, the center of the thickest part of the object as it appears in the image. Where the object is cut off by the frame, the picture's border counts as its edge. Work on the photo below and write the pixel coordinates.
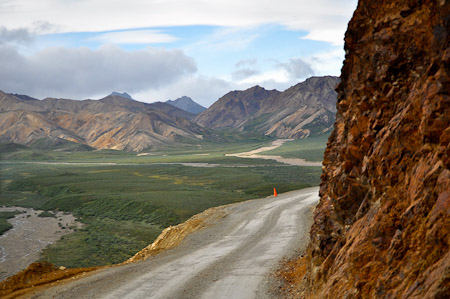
(233, 258)
(275, 144)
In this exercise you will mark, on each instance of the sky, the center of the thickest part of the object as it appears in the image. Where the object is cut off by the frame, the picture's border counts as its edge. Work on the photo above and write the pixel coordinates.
(157, 50)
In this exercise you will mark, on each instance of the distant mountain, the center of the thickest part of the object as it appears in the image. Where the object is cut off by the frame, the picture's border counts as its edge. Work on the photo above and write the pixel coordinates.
(123, 95)
(119, 122)
(114, 122)
(187, 104)
(305, 109)
(235, 108)
(172, 110)
(23, 97)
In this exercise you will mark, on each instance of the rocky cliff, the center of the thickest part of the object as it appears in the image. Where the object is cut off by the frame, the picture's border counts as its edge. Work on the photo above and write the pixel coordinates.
(382, 227)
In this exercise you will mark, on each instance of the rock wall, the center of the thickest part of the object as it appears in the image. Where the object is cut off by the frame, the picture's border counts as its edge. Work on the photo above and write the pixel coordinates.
(382, 227)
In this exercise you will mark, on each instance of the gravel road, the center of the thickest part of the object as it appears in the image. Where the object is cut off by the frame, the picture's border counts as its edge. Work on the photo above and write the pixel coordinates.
(233, 258)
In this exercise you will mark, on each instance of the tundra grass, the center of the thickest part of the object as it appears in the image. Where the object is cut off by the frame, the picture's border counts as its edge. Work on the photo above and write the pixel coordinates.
(125, 206)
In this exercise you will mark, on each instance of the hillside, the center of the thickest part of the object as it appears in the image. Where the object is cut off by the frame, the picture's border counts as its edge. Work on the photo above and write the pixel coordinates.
(114, 122)
(305, 109)
(235, 108)
(382, 227)
(187, 104)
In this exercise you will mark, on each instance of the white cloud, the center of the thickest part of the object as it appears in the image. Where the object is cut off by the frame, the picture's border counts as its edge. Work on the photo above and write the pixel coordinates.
(327, 63)
(230, 39)
(297, 68)
(148, 36)
(82, 72)
(334, 36)
(319, 16)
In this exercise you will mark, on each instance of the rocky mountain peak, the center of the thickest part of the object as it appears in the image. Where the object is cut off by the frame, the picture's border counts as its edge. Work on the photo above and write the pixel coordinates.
(123, 95)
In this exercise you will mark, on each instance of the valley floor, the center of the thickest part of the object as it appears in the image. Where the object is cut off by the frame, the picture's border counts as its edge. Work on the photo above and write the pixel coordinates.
(233, 258)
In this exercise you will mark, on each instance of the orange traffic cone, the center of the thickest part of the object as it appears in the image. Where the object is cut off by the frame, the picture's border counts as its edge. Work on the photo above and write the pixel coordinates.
(274, 192)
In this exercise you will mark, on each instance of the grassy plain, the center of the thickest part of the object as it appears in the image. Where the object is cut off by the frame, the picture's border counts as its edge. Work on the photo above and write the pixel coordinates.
(125, 200)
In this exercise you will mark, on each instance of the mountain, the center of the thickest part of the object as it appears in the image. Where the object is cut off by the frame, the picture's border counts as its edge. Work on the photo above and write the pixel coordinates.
(114, 122)
(172, 110)
(235, 108)
(305, 109)
(187, 104)
(23, 97)
(382, 226)
(123, 95)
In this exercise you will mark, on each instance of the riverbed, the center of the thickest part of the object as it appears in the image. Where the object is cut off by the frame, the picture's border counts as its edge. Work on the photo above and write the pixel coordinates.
(21, 245)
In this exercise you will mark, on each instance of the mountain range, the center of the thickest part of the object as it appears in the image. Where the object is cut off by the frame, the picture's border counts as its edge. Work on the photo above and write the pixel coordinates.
(305, 109)
(121, 123)
(114, 122)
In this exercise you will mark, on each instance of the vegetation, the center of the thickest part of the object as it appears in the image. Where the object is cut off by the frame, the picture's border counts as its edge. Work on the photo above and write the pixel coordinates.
(125, 200)
(46, 214)
(4, 224)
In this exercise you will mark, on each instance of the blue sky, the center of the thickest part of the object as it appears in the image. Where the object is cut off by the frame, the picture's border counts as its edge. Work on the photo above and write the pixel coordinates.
(158, 50)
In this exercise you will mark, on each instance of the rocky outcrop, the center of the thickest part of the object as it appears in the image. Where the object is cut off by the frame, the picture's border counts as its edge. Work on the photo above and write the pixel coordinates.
(382, 227)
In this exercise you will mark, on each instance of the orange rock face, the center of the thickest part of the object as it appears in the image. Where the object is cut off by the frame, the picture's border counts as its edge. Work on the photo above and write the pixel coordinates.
(382, 227)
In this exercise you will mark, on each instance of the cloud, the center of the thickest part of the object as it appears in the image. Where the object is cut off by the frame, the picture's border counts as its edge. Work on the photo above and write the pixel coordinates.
(328, 62)
(81, 72)
(246, 62)
(320, 17)
(15, 36)
(244, 73)
(148, 36)
(229, 39)
(297, 68)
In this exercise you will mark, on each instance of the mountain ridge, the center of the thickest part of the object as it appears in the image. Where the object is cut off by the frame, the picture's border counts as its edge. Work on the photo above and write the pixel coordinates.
(187, 104)
(113, 122)
(304, 109)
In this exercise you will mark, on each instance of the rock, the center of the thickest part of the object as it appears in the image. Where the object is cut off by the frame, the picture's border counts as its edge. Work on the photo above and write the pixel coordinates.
(382, 226)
